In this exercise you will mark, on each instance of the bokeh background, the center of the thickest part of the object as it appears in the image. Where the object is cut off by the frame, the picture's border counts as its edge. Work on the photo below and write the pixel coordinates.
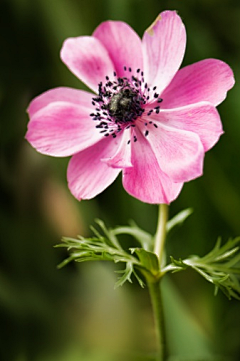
(74, 313)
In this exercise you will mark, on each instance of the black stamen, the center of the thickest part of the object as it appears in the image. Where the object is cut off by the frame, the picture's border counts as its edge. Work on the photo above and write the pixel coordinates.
(122, 101)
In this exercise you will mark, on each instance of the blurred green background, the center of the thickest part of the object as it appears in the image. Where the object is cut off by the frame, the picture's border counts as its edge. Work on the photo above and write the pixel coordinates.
(74, 313)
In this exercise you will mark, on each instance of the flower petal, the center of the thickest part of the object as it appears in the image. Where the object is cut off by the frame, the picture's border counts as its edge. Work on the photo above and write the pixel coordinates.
(207, 80)
(61, 129)
(122, 157)
(200, 118)
(145, 180)
(163, 49)
(87, 175)
(179, 153)
(122, 43)
(60, 94)
(87, 58)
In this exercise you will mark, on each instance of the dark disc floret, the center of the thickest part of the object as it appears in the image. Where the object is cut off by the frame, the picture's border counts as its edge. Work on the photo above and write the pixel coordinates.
(126, 105)
(121, 101)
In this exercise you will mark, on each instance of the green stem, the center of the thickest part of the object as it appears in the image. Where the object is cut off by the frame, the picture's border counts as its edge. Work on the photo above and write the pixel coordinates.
(161, 231)
(156, 299)
(154, 287)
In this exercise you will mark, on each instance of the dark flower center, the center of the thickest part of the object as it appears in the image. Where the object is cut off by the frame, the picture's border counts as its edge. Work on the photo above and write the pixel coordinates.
(121, 101)
(126, 105)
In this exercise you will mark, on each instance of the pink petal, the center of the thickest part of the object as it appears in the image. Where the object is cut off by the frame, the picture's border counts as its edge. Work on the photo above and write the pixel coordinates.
(62, 129)
(200, 118)
(122, 43)
(163, 49)
(122, 157)
(207, 80)
(179, 153)
(87, 58)
(70, 95)
(87, 175)
(145, 180)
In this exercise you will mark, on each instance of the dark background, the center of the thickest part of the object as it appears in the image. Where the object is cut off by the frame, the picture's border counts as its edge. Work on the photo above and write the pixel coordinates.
(74, 313)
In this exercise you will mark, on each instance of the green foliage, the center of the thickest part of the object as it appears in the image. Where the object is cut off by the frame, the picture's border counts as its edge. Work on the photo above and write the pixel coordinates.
(221, 267)
(105, 246)
(148, 259)
(179, 219)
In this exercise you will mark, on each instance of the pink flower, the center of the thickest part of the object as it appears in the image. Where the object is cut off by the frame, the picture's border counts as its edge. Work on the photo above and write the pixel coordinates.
(147, 118)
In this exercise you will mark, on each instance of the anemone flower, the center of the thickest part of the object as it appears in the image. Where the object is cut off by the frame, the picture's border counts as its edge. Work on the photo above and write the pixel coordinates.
(146, 118)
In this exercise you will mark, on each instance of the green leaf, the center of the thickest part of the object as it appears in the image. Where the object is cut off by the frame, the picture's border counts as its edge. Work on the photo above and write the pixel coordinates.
(180, 265)
(149, 260)
(143, 237)
(219, 267)
(104, 246)
(110, 236)
(127, 272)
(179, 219)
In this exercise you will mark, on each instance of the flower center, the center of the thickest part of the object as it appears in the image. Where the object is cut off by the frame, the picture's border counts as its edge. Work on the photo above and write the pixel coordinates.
(121, 101)
(126, 105)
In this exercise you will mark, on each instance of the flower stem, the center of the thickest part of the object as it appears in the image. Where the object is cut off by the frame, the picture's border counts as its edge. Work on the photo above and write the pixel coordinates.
(156, 299)
(154, 287)
(161, 231)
